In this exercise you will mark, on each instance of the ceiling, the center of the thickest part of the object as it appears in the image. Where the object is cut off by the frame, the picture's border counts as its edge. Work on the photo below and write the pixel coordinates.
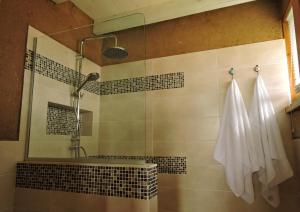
(153, 10)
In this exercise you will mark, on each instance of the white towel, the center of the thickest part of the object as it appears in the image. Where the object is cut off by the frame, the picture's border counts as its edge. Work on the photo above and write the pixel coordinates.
(235, 147)
(275, 167)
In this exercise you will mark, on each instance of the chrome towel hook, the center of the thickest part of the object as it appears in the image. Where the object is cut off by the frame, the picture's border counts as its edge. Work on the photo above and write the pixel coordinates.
(257, 69)
(231, 72)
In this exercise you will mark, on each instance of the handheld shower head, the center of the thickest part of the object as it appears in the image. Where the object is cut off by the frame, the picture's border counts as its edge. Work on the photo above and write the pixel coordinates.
(90, 77)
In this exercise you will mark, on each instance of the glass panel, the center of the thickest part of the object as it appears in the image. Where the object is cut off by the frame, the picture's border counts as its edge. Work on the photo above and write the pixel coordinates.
(122, 105)
(88, 92)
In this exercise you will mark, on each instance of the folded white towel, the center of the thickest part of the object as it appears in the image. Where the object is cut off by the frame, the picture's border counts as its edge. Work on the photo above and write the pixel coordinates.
(272, 159)
(235, 148)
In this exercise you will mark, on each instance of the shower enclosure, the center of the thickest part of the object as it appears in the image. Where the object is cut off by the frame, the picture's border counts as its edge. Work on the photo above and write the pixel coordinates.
(87, 91)
(114, 52)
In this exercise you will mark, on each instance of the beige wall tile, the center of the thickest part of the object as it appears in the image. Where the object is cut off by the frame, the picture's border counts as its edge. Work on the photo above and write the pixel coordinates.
(123, 107)
(10, 152)
(122, 130)
(118, 204)
(132, 205)
(122, 120)
(63, 201)
(122, 147)
(123, 71)
(201, 153)
(209, 177)
(178, 148)
(186, 122)
(264, 53)
(188, 200)
(228, 57)
(188, 63)
(192, 129)
(153, 204)
(275, 77)
(30, 200)
(7, 191)
(203, 104)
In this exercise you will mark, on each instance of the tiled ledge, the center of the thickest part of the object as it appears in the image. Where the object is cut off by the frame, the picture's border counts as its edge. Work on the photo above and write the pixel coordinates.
(138, 181)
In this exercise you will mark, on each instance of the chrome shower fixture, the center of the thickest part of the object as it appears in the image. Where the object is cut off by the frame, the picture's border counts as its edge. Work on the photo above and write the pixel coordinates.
(114, 52)
(90, 77)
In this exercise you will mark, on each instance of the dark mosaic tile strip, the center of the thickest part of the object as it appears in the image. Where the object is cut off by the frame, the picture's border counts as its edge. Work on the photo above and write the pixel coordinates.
(61, 73)
(50, 68)
(165, 164)
(148, 83)
(169, 165)
(61, 121)
(128, 182)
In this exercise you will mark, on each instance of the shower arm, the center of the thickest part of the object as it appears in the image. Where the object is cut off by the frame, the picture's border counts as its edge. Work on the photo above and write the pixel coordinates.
(81, 51)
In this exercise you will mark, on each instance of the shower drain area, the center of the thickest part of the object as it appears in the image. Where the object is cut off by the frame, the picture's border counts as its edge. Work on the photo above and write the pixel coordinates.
(61, 120)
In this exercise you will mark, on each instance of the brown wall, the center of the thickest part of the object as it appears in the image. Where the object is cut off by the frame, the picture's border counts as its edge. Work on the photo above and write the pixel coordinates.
(241, 24)
(15, 16)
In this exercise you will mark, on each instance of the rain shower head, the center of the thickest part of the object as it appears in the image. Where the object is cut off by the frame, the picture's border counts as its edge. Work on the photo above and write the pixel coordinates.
(90, 77)
(115, 52)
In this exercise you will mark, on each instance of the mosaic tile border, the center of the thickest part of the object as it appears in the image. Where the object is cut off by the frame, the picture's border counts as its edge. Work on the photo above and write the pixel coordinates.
(118, 181)
(61, 73)
(138, 84)
(165, 164)
(54, 70)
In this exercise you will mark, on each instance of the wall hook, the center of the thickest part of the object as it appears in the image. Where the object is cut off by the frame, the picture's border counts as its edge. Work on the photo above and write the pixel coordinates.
(231, 72)
(257, 69)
